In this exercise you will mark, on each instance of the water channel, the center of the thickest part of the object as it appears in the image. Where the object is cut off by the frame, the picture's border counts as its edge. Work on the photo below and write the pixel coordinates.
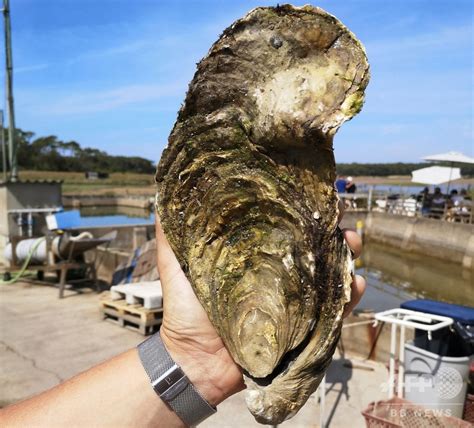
(115, 215)
(394, 276)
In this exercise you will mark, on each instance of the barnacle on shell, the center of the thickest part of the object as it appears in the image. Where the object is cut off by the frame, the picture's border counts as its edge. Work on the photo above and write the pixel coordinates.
(246, 196)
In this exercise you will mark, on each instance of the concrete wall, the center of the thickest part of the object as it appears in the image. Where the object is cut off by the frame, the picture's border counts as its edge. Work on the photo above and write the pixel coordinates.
(434, 238)
(359, 335)
(3, 212)
(106, 261)
(119, 251)
(77, 201)
(25, 194)
(128, 237)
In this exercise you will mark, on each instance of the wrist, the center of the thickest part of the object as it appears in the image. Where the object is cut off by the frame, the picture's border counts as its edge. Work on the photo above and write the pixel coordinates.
(213, 378)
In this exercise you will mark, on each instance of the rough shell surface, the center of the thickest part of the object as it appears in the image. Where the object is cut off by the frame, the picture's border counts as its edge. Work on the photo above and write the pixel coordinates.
(246, 195)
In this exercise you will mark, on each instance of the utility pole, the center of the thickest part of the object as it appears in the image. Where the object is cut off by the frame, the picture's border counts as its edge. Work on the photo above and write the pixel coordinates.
(9, 91)
(4, 150)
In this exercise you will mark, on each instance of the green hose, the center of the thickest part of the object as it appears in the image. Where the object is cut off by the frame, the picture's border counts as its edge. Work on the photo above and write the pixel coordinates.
(20, 273)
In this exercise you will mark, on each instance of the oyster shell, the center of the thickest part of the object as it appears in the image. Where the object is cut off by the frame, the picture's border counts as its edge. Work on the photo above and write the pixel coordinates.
(246, 196)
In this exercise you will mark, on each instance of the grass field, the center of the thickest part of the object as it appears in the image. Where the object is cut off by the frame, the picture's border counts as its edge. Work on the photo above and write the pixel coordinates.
(77, 183)
(142, 184)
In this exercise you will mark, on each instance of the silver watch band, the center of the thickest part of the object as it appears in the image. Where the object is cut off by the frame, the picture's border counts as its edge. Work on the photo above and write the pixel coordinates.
(171, 384)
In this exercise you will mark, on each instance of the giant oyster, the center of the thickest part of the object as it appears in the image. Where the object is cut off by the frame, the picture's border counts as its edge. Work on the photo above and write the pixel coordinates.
(246, 196)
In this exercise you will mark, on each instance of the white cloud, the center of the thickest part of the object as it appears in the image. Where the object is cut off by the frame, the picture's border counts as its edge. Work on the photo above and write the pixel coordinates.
(93, 102)
(121, 49)
(29, 68)
(118, 50)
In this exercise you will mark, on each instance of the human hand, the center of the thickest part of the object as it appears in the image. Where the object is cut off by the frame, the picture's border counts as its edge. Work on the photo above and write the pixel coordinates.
(188, 334)
(358, 283)
(355, 244)
(190, 337)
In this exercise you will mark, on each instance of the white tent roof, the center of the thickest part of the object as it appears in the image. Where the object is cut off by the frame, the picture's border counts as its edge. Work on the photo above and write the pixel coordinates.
(435, 175)
(454, 157)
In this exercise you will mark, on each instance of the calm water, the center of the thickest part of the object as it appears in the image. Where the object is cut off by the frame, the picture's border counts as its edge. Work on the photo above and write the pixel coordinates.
(110, 216)
(393, 276)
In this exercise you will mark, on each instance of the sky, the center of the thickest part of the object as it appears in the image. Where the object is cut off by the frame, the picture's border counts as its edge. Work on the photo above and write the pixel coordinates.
(112, 74)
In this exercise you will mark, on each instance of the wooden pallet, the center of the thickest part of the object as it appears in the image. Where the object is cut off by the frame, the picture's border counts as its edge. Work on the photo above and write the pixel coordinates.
(133, 317)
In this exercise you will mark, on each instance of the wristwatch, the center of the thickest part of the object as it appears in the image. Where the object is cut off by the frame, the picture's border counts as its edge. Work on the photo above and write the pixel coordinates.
(171, 384)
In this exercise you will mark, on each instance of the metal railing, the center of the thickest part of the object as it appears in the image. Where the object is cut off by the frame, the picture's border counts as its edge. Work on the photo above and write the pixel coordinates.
(408, 205)
(357, 201)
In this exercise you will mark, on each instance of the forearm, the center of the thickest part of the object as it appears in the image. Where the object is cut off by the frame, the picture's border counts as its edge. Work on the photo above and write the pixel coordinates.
(116, 393)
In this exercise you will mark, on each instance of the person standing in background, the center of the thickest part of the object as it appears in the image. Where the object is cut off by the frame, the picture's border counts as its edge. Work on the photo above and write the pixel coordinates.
(425, 198)
(341, 184)
(350, 186)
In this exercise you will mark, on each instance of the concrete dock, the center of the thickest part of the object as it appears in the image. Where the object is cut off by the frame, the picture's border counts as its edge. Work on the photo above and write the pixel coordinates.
(44, 341)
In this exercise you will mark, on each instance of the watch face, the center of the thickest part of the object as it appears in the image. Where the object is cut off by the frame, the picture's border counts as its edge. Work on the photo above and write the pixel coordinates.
(174, 377)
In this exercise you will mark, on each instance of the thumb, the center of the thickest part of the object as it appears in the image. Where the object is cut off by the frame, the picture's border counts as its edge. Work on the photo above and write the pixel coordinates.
(177, 290)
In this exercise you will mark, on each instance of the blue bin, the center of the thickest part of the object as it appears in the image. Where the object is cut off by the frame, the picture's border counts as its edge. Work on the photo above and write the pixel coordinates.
(457, 341)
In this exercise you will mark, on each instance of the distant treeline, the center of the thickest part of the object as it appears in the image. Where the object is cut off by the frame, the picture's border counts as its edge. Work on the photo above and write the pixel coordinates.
(386, 169)
(51, 154)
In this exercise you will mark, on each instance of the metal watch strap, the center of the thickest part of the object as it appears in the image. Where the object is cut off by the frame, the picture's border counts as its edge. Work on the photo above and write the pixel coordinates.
(171, 384)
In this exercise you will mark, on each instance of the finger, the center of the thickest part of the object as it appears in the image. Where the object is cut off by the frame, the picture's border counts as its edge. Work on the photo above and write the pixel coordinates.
(341, 208)
(354, 241)
(181, 306)
(167, 262)
(173, 280)
(358, 287)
